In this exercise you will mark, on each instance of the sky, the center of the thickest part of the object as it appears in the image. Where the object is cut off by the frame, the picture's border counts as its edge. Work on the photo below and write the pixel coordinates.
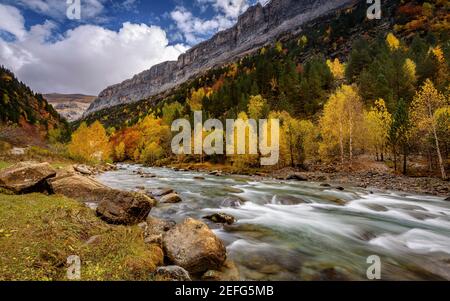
(110, 42)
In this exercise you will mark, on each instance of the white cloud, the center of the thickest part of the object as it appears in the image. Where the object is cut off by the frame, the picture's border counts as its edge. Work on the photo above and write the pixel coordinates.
(86, 59)
(195, 29)
(11, 21)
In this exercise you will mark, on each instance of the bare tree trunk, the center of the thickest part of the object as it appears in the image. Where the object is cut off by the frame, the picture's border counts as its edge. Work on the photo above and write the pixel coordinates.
(438, 150)
(395, 157)
(341, 143)
(351, 143)
(405, 165)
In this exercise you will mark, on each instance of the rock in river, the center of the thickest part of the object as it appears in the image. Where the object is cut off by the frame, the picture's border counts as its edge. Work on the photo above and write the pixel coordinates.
(26, 177)
(159, 192)
(296, 177)
(124, 208)
(221, 218)
(170, 198)
(171, 273)
(193, 246)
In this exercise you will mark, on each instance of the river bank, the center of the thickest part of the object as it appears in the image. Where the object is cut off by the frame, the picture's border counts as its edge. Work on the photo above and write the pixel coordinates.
(375, 179)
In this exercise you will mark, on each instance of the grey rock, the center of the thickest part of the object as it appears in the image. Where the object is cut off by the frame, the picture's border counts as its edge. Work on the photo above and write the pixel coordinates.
(26, 177)
(171, 273)
(193, 246)
(170, 198)
(258, 26)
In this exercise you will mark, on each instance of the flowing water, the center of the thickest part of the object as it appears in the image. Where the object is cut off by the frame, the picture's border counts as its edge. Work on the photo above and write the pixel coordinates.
(304, 231)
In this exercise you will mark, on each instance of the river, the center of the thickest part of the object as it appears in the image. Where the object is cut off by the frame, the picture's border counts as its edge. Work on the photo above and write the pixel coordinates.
(303, 231)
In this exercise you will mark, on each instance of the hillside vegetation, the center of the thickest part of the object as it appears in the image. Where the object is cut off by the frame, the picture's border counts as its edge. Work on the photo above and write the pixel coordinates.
(26, 117)
(344, 87)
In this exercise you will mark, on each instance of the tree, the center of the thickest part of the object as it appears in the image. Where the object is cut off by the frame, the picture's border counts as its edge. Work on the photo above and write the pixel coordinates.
(195, 102)
(119, 152)
(257, 107)
(337, 69)
(342, 116)
(242, 161)
(378, 123)
(151, 153)
(171, 112)
(393, 42)
(427, 102)
(90, 143)
(399, 133)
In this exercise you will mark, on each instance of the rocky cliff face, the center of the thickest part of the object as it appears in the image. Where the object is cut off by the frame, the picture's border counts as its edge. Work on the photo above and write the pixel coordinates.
(70, 106)
(258, 26)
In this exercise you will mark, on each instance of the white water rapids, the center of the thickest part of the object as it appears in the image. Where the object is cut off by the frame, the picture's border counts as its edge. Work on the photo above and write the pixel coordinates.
(303, 231)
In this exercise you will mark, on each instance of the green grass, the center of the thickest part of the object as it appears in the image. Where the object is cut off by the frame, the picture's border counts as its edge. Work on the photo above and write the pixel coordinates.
(4, 164)
(38, 233)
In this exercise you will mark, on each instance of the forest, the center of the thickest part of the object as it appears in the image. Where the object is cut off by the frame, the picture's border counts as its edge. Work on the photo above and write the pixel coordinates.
(387, 98)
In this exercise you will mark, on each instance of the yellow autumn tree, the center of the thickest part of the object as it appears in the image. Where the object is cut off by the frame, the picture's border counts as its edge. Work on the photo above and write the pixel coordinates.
(341, 124)
(90, 144)
(336, 68)
(196, 99)
(378, 123)
(297, 139)
(243, 161)
(155, 138)
(392, 42)
(119, 152)
(256, 107)
(427, 102)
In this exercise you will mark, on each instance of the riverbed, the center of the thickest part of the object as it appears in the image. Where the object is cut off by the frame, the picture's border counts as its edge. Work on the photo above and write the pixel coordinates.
(288, 230)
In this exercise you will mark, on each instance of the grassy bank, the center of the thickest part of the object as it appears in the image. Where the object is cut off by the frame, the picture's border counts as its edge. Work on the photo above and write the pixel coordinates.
(38, 233)
(4, 164)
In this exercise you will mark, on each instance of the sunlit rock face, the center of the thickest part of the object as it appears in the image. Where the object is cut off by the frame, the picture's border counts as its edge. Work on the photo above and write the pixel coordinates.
(256, 27)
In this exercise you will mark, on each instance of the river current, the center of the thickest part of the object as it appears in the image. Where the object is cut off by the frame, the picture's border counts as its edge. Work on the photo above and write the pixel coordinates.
(304, 231)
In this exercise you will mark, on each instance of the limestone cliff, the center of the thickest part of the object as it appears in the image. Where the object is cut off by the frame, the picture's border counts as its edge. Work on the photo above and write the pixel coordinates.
(256, 27)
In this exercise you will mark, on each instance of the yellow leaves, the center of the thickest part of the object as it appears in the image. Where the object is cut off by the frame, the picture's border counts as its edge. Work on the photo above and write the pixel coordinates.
(427, 101)
(392, 42)
(279, 47)
(233, 70)
(336, 68)
(302, 42)
(119, 151)
(7, 233)
(90, 143)
(378, 122)
(409, 68)
(340, 123)
(256, 106)
(196, 99)
(438, 53)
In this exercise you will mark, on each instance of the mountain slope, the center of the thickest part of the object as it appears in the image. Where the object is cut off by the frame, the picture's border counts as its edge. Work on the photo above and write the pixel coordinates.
(70, 106)
(257, 70)
(255, 28)
(20, 106)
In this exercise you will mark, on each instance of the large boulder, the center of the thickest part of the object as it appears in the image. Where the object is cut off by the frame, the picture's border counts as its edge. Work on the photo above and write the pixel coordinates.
(193, 246)
(124, 208)
(81, 188)
(26, 177)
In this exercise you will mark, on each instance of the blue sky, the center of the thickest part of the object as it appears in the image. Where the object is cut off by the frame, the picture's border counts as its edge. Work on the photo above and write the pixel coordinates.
(113, 40)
